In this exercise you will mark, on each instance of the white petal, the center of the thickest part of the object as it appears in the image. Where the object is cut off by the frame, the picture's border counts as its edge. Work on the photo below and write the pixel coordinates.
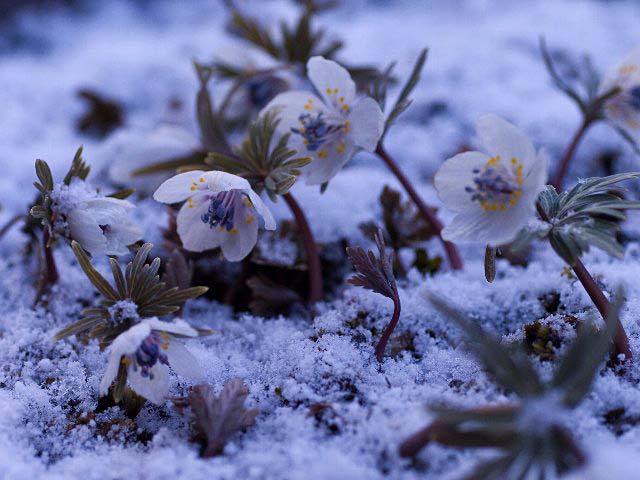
(110, 373)
(239, 242)
(109, 204)
(536, 180)
(196, 236)
(120, 236)
(176, 326)
(454, 175)
(502, 138)
(183, 362)
(177, 188)
(155, 390)
(624, 75)
(366, 124)
(85, 230)
(321, 170)
(328, 75)
(262, 210)
(290, 105)
(217, 181)
(129, 341)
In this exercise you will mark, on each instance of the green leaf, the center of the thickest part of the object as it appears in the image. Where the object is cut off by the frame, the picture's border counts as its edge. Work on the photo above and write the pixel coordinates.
(403, 101)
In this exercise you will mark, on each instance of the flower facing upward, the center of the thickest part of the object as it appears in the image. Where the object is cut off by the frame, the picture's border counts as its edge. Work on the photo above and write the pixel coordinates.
(146, 350)
(493, 194)
(221, 210)
(329, 128)
(623, 109)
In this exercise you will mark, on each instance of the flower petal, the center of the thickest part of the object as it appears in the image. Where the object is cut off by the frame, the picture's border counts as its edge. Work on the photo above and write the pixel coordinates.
(324, 168)
(331, 80)
(262, 210)
(155, 390)
(110, 373)
(502, 138)
(196, 236)
(182, 361)
(84, 229)
(129, 341)
(239, 242)
(120, 235)
(366, 124)
(454, 176)
(218, 181)
(177, 188)
(177, 326)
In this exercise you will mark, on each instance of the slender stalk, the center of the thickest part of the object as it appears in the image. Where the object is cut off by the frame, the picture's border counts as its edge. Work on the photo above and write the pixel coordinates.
(620, 342)
(10, 224)
(427, 212)
(382, 344)
(313, 258)
(567, 156)
(51, 272)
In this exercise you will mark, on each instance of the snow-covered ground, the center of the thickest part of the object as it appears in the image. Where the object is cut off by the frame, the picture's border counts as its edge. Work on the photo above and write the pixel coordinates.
(483, 58)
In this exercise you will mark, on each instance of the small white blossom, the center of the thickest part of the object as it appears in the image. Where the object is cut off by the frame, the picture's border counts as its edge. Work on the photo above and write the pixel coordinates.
(624, 108)
(147, 349)
(494, 194)
(330, 127)
(221, 210)
(100, 224)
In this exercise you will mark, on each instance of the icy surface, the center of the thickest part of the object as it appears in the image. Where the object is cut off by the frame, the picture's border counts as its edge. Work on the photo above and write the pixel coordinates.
(483, 58)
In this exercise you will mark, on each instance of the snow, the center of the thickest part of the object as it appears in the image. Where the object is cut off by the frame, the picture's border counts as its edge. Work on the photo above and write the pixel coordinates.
(483, 58)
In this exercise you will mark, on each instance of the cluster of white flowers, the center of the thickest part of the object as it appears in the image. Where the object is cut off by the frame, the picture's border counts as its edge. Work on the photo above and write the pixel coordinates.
(100, 224)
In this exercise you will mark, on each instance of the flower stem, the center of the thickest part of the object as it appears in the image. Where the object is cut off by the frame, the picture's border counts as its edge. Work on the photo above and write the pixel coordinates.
(51, 272)
(382, 344)
(565, 161)
(427, 212)
(313, 258)
(621, 342)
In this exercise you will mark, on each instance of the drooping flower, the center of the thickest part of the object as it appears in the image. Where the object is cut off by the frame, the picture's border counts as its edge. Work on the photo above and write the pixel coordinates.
(100, 224)
(623, 109)
(221, 210)
(146, 350)
(493, 194)
(330, 127)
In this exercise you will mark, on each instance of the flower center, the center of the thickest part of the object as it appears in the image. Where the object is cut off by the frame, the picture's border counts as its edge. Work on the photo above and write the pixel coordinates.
(496, 185)
(223, 207)
(635, 97)
(151, 351)
(317, 130)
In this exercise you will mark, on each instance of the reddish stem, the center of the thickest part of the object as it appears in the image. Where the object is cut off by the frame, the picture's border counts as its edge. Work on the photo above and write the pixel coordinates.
(382, 344)
(313, 258)
(621, 342)
(426, 211)
(51, 272)
(565, 161)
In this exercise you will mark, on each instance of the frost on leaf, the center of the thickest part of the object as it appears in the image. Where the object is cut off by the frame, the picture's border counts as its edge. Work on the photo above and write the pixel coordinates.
(218, 418)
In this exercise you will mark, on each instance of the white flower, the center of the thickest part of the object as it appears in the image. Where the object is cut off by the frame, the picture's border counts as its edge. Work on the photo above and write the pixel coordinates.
(332, 127)
(624, 108)
(131, 150)
(147, 349)
(221, 211)
(495, 194)
(100, 224)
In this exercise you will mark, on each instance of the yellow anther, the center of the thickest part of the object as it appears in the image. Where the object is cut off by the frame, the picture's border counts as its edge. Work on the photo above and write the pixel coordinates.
(322, 154)
(233, 231)
(249, 220)
(193, 188)
(329, 91)
(341, 99)
(345, 107)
